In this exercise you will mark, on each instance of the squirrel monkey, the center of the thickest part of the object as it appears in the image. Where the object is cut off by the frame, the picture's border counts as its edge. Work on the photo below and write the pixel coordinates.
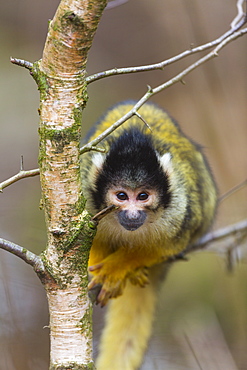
(165, 199)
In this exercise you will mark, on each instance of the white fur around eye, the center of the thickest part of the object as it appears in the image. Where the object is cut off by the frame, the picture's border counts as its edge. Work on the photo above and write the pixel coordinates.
(98, 160)
(165, 161)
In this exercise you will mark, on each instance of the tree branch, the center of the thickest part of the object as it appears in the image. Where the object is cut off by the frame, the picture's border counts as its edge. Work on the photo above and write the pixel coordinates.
(241, 16)
(233, 190)
(223, 233)
(29, 257)
(227, 37)
(22, 63)
(152, 91)
(20, 175)
(236, 24)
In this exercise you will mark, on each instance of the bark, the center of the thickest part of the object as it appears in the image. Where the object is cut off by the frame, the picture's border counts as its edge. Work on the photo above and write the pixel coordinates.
(60, 76)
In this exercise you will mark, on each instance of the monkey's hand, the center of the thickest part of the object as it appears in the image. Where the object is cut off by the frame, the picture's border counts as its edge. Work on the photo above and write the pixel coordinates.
(113, 272)
(111, 285)
(139, 276)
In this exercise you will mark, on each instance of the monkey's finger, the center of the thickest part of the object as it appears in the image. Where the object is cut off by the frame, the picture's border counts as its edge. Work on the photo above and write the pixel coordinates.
(103, 297)
(95, 267)
(93, 284)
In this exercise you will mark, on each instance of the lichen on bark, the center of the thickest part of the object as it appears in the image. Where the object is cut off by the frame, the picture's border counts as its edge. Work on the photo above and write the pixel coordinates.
(60, 76)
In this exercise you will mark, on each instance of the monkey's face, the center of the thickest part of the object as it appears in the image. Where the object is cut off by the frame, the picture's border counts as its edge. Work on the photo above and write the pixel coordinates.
(133, 205)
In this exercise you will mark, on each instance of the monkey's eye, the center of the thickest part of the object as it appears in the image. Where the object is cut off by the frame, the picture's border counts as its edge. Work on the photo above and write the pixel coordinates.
(122, 196)
(142, 196)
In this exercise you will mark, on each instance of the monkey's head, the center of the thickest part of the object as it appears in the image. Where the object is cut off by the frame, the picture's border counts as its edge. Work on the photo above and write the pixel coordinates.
(131, 176)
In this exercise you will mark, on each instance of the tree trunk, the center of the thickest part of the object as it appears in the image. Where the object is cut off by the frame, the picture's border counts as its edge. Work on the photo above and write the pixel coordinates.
(60, 76)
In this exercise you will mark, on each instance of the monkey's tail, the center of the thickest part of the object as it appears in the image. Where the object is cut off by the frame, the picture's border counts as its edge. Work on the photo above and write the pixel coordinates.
(128, 328)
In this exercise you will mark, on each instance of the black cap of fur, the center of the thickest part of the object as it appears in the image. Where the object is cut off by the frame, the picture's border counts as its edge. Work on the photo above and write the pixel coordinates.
(132, 162)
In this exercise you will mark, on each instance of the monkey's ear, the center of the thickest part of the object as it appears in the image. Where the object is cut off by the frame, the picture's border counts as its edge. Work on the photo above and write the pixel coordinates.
(166, 162)
(98, 160)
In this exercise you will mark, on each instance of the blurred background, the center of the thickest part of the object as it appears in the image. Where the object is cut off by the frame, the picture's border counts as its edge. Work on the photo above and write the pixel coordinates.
(202, 317)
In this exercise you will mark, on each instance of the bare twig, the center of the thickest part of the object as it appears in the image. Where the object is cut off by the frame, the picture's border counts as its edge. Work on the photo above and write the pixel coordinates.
(234, 252)
(20, 175)
(22, 63)
(152, 91)
(215, 236)
(222, 41)
(96, 218)
(241, 14)
(143, 120)
(236, 24)
(27, 256)
(233, 190)
(191, 347)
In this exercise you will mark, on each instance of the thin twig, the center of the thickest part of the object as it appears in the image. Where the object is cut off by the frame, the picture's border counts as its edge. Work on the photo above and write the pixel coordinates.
(27, 256)
(96, 218)
(193, 351)
(227, 37)
(152, 91)
(234, 252)
(22, 63)
(20, 175)
(233, 190)
(215, 236)
(22, 164)
(236, 24)
(143, 120)
(241, 14)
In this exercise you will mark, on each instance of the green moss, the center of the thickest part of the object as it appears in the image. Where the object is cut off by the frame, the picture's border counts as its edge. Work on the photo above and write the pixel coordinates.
(64, 136)
(83, 233)
(78, 259)
(47, 265)
(86, 322)
(73, 21)
(42, 154)
(82, 95)
(77, 115)
(74, 252)
(40, 79)
(46, 203)
(73, 366)
(54, 25)
(92, 224)
(81, 203)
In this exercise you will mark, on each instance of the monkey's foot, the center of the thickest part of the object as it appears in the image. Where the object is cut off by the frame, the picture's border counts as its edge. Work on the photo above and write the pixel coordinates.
(139, 276)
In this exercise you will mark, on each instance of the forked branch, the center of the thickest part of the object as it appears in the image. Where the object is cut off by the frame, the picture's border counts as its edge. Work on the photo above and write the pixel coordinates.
(152, 91)
(20, 175)
(236, 24)
(221, 234)
(232, 34)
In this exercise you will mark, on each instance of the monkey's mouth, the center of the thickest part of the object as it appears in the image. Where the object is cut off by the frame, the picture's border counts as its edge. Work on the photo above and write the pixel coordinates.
(131, 226)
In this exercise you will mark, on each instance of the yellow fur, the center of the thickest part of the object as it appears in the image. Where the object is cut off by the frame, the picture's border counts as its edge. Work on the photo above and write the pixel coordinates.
(125, 263)
(126, 336)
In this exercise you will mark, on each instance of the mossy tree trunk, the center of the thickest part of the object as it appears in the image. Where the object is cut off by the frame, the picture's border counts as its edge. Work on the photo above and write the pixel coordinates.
(60, 76)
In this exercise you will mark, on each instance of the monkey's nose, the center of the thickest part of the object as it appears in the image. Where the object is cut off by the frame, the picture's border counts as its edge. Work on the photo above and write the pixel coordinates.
(131, 221)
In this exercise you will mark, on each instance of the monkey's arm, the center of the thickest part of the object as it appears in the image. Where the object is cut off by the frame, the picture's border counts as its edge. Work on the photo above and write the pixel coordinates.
(113, 271)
